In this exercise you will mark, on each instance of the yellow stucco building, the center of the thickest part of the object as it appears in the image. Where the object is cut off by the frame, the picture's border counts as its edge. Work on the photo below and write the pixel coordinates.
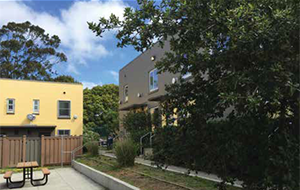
(36, 108)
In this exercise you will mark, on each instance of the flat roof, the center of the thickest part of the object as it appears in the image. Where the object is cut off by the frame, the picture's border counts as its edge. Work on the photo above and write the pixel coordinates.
(27, 126)
(53, 82)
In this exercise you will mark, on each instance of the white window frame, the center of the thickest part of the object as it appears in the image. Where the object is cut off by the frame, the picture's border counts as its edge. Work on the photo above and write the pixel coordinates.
(150, 87)
(126, 97)
(187, 75)
(10, 111)
(58, 108)
(36, 111)
(64, 130)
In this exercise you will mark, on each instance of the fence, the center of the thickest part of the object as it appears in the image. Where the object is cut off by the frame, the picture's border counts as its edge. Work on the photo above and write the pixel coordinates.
(45, 150)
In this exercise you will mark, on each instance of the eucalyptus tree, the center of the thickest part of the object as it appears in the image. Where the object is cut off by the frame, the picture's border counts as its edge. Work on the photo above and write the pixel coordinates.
(28, 52)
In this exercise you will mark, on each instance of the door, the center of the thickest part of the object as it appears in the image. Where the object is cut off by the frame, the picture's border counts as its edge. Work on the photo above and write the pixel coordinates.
(33, 149)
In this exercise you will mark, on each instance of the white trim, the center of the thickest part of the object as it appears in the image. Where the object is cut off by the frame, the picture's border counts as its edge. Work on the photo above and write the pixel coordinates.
(154, 89)
(64, 132)
(38, 106)
(10, 111)
(186, 75)
(63, 116)
(126, 97)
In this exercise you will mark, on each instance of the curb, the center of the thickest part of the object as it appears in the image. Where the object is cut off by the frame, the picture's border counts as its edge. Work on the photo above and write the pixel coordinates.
(101, 178)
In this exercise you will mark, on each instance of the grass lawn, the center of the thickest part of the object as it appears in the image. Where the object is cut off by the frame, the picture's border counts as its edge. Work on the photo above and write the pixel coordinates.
(148, 178)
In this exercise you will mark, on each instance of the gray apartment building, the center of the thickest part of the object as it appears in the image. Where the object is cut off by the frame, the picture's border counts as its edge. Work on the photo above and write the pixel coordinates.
(140, 85)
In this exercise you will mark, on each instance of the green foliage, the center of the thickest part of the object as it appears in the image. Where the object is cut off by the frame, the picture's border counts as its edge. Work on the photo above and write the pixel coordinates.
(100, 109)
(156, 118)
(125, 151)
(92, 148)
(27, 52)
(137, 124)
(65, 78)
(244, 59)
(89, 135)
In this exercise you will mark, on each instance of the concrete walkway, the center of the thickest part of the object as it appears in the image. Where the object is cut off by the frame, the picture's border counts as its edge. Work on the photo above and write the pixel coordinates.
(176, 169)
(59, 179)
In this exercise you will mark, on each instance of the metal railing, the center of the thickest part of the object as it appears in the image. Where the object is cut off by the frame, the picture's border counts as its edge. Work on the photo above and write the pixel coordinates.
(141, 141)
(73, 152)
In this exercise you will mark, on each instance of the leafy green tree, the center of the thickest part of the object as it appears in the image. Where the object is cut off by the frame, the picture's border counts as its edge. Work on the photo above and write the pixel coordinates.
(27, 52)
(65, 78)
(137, 124)
(100, 106)
(242, 55)
(90, 136)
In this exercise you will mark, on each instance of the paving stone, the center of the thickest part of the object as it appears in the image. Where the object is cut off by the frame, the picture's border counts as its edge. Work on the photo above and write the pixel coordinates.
(60, 179)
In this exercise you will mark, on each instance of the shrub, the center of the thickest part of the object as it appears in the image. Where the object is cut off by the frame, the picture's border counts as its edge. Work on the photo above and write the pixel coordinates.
(89, 135)
(92, 148)
(126, 152)
(137, 124)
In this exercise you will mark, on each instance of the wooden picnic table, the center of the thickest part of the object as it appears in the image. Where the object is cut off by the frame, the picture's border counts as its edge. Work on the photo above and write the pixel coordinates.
(27, 174)
(27, 169)
(27, 165)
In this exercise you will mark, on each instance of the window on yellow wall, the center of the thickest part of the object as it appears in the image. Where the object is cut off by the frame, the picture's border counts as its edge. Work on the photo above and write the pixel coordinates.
(64, 132)
(36, 106)
(64, 109)
(10, 109)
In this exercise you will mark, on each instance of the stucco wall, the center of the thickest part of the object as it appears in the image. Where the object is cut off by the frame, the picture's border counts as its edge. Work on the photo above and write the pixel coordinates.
(24, 92)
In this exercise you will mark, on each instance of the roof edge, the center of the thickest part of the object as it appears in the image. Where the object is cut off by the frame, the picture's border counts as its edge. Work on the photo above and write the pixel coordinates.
(41, 81)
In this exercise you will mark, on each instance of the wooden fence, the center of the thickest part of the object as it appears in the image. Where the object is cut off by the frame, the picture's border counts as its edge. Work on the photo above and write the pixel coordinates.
(57, 150)
(45, 150)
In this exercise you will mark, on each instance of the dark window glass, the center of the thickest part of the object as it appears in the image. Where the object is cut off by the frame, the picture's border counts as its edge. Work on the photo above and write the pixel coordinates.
(63, 132)
(64, 109)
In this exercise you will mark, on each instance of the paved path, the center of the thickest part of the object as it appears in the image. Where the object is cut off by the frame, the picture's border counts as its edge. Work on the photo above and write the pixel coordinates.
(176, 169)
(59, 179)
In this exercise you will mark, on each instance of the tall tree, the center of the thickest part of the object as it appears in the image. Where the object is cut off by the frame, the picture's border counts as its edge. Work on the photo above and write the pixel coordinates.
(100, 106)
(242, 54)
(27, 52)
(65, 78)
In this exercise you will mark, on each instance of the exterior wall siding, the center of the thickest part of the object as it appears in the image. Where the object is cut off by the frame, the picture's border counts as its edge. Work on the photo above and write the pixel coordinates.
(136, 75)
(48, 93)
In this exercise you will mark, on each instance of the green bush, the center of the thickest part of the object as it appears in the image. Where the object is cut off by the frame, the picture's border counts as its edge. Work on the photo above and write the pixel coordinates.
(137, 124)
(126, 152)
(92, 148)
(89, 135)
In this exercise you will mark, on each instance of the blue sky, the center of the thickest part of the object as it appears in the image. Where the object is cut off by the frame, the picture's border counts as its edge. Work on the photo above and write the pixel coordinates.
(91, 60)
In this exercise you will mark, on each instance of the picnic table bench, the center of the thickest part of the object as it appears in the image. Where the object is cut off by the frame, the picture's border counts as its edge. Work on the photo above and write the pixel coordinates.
(27, 174)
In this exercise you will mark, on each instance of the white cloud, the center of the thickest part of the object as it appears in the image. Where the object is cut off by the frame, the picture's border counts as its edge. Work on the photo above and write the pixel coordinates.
(115, 75)
(78, 42)
(90, 85)
(72, 68)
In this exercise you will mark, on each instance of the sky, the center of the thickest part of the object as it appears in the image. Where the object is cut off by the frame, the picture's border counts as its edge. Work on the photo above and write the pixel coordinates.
(91, 60)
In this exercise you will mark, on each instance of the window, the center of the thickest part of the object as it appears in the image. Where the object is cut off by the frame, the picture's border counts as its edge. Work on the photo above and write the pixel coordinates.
(64, 132)
(126, 93)
(10, 106)
(153, 80)
(36, 106)
(64, 109)
(187, 75)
